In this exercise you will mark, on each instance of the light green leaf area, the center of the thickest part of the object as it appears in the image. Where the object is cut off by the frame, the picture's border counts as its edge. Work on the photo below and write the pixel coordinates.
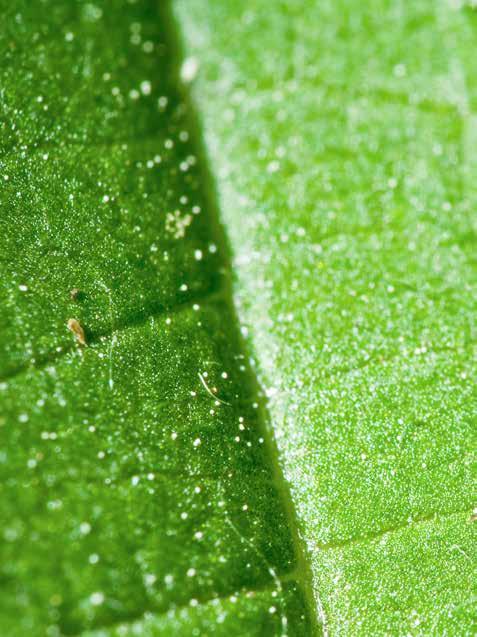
(343, 140)
(139, 491)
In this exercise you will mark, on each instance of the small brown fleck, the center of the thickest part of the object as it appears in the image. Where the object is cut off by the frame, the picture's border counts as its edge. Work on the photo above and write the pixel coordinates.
(75, 293)
(75, 327)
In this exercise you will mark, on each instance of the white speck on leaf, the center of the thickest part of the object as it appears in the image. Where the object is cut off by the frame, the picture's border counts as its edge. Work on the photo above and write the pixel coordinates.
(189, 69)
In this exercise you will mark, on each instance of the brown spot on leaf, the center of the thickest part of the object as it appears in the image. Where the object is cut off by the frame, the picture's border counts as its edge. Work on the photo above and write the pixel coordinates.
(75, 327)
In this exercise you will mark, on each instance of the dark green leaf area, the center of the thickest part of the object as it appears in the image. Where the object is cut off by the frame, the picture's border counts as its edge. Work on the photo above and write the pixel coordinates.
(128, 487)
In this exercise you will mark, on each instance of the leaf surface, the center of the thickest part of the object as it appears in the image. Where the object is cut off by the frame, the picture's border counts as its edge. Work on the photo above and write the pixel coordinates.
(342, 138)
(139, 488)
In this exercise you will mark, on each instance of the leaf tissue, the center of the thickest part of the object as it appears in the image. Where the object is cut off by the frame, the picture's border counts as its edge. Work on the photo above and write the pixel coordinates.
(140, 491)
(303, 464)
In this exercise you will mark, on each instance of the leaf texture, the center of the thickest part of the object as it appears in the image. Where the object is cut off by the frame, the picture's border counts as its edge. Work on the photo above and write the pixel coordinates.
(341, 135)
(139, 487)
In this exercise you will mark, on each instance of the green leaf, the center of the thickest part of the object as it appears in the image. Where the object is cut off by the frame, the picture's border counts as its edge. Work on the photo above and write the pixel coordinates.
(342, 137)
(139, 491)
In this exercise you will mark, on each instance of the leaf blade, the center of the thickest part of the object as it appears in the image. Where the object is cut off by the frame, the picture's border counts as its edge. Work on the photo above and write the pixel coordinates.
(336, 133)
(127, 489)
